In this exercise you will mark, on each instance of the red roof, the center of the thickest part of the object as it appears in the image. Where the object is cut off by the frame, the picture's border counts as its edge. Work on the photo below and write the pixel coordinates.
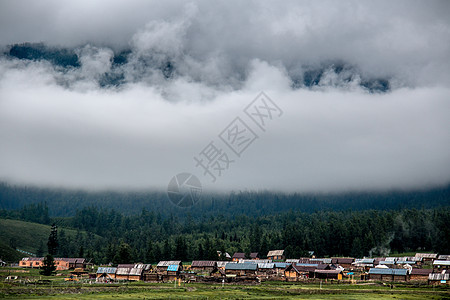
(239, 255)
(344, 260)
(421, 271)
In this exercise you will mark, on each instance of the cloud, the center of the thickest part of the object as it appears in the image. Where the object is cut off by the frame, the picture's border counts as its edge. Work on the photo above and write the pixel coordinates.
(363, 87)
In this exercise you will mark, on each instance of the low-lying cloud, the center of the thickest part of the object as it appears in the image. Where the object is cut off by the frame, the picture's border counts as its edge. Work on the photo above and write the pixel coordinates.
(137, 89)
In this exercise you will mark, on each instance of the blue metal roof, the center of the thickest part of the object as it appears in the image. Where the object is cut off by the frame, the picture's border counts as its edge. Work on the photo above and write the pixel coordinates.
(364, 261)
(266, 265)
(379, 271)
(241, 266)
(281, 265)
(107, 270)
(173, 268)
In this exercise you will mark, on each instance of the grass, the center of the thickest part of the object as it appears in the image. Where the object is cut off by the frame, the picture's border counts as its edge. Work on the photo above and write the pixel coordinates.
(59, 289)
(26, 236)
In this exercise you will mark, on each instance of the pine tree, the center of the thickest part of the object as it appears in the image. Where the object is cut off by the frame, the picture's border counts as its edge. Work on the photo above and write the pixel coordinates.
(52, 243)
(180, 248)
(201, 252)
(167, 250)
(63, 244)
(156, 252)
(124, 254)
(149, 255)
(49, 266)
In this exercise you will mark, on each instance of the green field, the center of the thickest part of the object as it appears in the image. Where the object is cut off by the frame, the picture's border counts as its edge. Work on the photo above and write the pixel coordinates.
(26, 236)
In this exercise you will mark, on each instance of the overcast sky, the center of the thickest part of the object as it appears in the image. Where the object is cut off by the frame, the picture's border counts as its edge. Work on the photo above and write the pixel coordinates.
(61, 128)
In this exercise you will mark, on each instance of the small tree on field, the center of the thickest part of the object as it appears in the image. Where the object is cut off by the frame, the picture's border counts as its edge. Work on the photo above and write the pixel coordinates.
(49, 266)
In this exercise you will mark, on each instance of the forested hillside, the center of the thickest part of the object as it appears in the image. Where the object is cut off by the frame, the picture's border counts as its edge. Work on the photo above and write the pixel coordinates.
(150, 237)
(33, 237)
(146, 227)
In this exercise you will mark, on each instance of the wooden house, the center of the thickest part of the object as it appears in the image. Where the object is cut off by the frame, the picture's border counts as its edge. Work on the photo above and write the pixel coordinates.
(403, 263)
(320, 260)
(31, 262)
(204, 265)
(279, 267)
(439, 278)
(302, 260)
(420, 274)
(387, 263)
(276, 255)
(328, 274)
(241, 269)
(238, 256)
(161, 267)
(426, 257)
(106, 274)
(323, 267)
(345, 262)
(254, 255)
(266, 269)
(256, 261)
(123, 271)
(150, 274)
(364, 264)
(137, 272)
(295, 273)
(173, 272)
(376, 260)
(61, 264)
(388, 274)
(439, 265)
(218, 273)
(132, 272)
(65, 263)
(310, 268)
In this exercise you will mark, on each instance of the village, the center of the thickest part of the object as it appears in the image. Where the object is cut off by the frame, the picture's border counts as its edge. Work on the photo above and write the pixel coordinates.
(426, 268)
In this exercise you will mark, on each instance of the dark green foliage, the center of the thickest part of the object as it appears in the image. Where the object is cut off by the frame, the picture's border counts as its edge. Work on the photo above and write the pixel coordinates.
(246, 222)
(180, 248)
(9, 254)
(148, 238)
(52, 243)
(33, 212)
(67, 203)
(124, 254)
(40, 250)
(49, 267)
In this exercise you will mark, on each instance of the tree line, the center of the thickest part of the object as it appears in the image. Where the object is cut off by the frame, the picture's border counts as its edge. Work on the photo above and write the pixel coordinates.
(150, 237)
(65, 203)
